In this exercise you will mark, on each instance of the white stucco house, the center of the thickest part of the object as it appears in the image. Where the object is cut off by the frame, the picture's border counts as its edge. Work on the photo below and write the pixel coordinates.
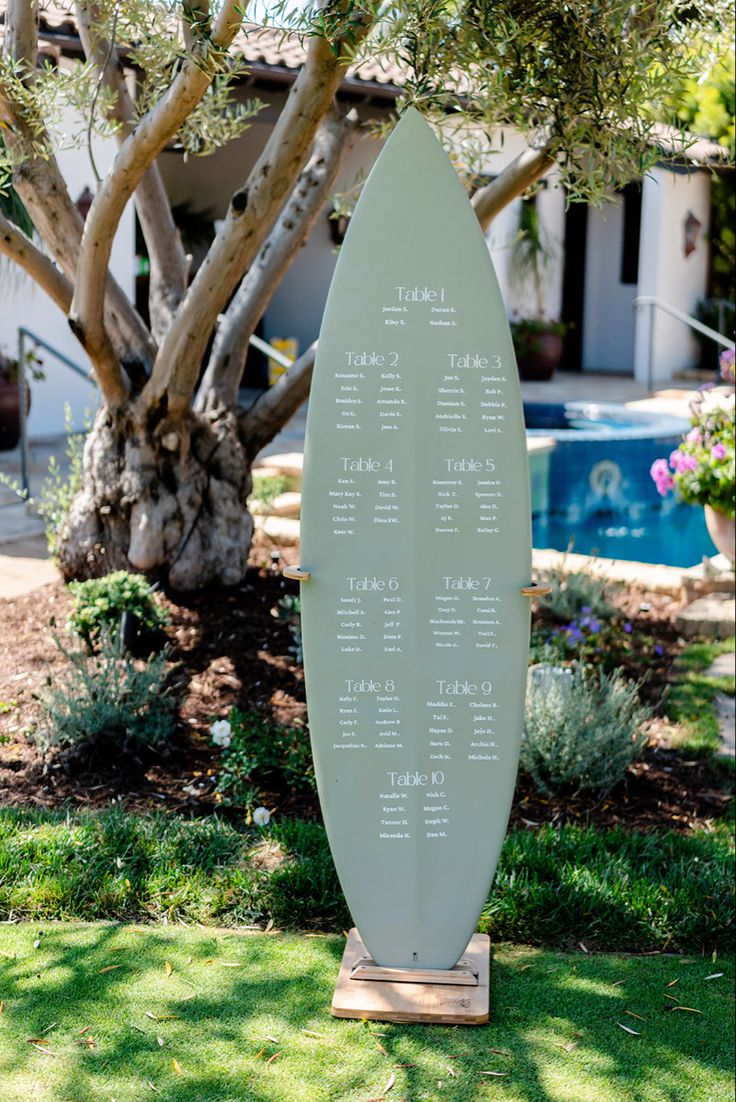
(650, 241)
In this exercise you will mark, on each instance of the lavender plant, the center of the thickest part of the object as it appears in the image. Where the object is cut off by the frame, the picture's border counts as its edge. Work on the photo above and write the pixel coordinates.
(582, 732)
(108, 699)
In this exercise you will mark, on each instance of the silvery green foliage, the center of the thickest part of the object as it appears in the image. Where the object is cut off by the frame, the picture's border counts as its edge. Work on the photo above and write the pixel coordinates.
(588, 81)
(60, 487)
(582, 731)
(108, 699)
(157, 38)
(572, 593)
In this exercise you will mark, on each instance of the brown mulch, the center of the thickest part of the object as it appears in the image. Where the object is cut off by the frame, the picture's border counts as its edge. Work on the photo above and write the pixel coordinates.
(232, 650)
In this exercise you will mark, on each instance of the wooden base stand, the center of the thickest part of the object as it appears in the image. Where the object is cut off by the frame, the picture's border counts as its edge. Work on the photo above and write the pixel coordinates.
(458, 996)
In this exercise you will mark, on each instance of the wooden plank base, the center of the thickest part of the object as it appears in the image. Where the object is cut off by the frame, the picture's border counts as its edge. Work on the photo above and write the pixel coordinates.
(388, 1001)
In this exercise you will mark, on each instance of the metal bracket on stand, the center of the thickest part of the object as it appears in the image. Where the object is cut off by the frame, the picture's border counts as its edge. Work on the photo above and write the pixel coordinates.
(461, 975)
(296, 574)
(536, 590)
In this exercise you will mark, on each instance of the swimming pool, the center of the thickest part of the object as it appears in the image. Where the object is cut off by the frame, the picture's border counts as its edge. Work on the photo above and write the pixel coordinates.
(593, 487)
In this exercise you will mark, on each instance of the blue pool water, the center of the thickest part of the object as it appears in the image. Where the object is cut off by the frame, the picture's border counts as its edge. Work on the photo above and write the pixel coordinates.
(594, 488)
(677, 537)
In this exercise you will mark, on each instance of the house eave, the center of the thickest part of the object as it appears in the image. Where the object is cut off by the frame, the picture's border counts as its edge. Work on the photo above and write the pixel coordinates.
(258, 71)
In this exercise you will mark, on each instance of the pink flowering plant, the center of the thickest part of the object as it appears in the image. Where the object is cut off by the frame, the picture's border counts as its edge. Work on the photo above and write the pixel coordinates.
(701, 470)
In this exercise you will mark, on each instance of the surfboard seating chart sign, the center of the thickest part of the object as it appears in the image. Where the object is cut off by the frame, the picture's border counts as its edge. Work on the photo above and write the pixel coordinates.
(416, 531)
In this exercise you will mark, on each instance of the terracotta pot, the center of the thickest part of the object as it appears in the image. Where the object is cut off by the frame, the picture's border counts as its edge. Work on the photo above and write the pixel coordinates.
(9, 415)
(722, 530)
(541, 357)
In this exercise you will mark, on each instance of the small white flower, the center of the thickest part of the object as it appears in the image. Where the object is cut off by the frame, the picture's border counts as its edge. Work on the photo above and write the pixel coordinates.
(261, 816)
(221, 733)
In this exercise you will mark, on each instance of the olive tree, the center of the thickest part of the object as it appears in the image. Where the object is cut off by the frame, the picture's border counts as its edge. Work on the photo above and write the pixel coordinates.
(167, 462)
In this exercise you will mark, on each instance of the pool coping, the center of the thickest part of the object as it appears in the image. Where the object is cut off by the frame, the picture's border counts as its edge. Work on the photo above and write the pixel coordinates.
(658, 578)
(653, 424)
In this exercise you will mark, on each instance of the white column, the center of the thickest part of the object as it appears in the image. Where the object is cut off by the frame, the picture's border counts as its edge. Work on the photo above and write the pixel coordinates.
(667, 273)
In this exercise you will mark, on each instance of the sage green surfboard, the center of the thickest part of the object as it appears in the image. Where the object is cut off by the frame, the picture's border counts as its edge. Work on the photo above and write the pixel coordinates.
(416, 528)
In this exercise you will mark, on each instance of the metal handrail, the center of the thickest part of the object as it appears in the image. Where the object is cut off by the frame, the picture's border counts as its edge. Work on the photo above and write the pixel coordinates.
(23, 335)
(655, 303)
(28, 334)
(269, 350)
(651, 300)
(721, 304)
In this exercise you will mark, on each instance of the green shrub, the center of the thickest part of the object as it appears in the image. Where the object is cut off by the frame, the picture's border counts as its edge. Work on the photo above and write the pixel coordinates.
(260, 754)
(267, 487)
(574, 595)
(604, 639)
(99, 603)
(108, 698)
(587, 641)
(583, 730)
(59, 490)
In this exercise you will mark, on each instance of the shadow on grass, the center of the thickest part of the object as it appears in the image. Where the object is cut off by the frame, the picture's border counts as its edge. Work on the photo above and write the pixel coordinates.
(225, 1021)
(555, 1033)
(209, 1015)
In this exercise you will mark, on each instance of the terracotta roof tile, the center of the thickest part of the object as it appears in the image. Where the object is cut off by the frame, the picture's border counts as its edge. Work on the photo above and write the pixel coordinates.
(288, 50)
(264, 45)
(687, 147)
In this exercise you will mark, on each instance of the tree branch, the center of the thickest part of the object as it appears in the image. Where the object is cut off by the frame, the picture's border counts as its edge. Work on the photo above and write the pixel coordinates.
(19, 248)
(136, 154)
(219, 385)
(195, 20)
(258, 425)
(252, 212)
(21, 34)
(163, 240)
(42, 188)
(40, 184)
(520, 174)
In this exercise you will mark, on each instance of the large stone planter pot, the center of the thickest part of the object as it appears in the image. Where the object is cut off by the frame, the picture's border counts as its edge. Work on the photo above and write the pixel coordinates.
(9, 415)
(541, 357)
(722, 530)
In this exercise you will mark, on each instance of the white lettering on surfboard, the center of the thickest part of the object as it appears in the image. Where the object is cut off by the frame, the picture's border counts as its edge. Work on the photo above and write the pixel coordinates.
(372, 359)
(420, 294)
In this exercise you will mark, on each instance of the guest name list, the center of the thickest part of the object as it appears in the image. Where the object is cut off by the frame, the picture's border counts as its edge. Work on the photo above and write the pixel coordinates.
(420, 428)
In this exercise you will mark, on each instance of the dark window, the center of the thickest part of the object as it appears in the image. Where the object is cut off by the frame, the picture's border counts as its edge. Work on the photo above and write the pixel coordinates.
(632, 233)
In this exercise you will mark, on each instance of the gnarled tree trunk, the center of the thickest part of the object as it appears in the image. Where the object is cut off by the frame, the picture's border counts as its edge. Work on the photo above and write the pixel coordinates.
(170, 506)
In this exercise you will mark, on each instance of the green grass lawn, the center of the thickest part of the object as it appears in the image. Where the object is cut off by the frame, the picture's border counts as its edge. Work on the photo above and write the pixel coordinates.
(92, 1013)
(692, 698)
(614, 889)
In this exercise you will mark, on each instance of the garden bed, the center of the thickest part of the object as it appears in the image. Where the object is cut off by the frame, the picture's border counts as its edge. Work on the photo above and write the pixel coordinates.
(230, 649)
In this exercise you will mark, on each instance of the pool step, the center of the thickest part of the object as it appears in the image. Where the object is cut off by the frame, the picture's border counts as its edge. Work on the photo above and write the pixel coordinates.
(288, 465)
(284, 505)
(282, 531)
(709, 617)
